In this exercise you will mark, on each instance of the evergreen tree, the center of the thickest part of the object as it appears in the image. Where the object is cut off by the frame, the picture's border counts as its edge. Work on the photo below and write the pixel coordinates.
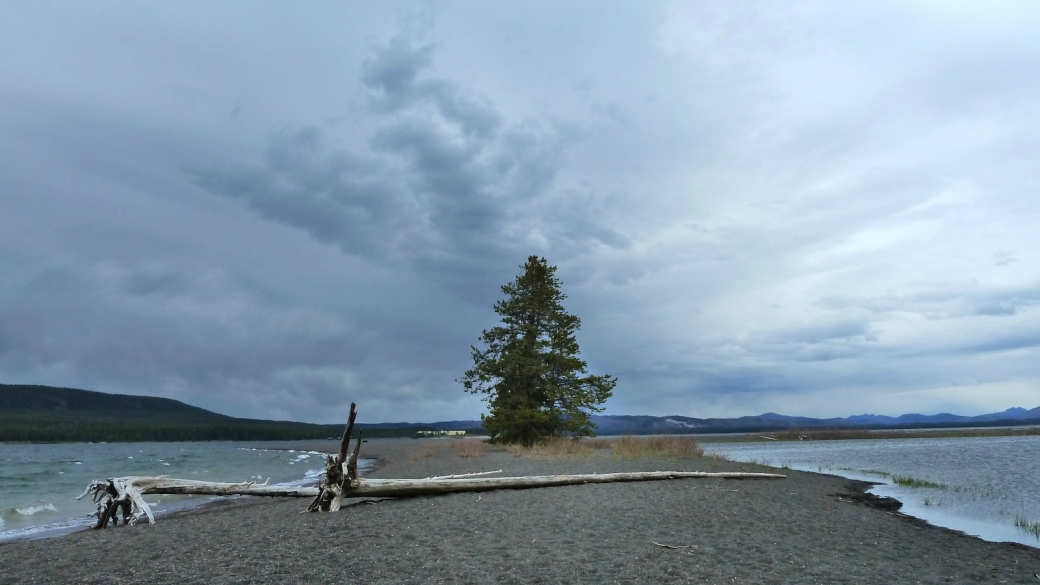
(535, 384)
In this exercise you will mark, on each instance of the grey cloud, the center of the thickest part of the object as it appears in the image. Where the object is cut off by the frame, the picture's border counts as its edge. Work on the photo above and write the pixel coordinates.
(821, 333)
(392, 77)
(945, 303)
(818, 201)
(444, 185)
(1008, 342)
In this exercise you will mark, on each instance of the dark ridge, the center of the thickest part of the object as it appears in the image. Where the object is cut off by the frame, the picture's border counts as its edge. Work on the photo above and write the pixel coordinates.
(20, 398)
(45, 414)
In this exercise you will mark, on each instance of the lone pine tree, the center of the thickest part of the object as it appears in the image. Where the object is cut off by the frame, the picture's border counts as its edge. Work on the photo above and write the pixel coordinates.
(535, 384)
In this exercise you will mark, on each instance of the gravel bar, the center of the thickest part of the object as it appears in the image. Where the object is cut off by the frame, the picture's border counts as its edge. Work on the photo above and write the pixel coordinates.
(808, 528)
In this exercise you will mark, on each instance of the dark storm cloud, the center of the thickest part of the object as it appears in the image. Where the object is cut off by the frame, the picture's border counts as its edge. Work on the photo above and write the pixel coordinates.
(444, 185)
(797, 208)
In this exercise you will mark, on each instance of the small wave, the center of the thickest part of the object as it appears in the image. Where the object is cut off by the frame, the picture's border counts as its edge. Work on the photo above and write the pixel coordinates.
(46, 529)
(310, 477)
(313, 476)
(33, 510)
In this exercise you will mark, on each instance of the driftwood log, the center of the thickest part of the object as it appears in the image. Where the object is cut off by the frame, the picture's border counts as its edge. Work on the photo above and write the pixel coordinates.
(341, 481)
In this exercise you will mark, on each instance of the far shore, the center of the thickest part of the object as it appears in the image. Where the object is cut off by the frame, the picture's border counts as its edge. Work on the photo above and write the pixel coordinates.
(812, 434)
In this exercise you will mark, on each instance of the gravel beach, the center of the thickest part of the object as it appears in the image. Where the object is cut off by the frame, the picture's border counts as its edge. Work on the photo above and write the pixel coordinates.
(794, 530)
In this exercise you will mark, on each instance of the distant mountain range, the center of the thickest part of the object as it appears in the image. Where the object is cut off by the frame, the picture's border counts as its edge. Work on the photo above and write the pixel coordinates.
(770, 421)
(61, 414)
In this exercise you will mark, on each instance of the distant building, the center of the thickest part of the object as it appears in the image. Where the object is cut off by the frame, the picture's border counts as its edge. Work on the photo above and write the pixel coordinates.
(441, 433)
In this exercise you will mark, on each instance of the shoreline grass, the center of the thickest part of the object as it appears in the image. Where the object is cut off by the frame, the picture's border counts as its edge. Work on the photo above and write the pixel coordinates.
(656, 446)
(469, 448)
(676, 446)
(916, 482)
(1028, 526)
(422, 451)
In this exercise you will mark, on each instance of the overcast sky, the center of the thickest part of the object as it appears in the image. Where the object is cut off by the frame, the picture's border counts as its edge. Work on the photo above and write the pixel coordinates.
(271, 210)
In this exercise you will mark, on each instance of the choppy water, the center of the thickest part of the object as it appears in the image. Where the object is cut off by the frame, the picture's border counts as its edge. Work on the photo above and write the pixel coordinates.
(988, 483)
(39, 482)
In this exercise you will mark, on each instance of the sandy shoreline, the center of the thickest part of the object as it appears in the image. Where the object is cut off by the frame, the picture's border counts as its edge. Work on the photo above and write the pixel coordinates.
(795, 530)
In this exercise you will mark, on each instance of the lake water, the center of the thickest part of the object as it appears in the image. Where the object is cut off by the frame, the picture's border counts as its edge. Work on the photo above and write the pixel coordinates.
(39, 482)
(987, 483)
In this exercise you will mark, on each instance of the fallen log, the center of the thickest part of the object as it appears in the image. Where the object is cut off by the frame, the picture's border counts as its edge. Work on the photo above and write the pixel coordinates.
(379, 488)
(341, 481)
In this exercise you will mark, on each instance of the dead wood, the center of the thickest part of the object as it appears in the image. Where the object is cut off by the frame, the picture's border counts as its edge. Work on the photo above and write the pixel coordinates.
(341, 481)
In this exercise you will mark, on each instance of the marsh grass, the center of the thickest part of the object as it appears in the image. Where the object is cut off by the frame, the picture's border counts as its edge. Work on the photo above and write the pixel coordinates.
(916, 482)
(468, 448)
(624, 446)
(715, 455)
(656, 446)
(422, 451)
(1026, 525)
(552, 448)
(876, 472)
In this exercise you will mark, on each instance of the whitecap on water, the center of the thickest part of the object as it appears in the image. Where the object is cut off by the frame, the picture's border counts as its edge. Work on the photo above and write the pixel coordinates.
(32, 510)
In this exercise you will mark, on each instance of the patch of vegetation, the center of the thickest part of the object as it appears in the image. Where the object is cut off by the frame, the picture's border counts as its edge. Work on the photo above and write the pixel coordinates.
(876, 472)
(423, 451)
(624, 446)
(915, 482)
(716, 456)
(553, 448)
(1024, 524)
(468, 448)
(656, 446)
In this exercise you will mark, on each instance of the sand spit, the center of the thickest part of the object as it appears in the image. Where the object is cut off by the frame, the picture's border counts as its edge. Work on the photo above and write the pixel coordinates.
(798, 530)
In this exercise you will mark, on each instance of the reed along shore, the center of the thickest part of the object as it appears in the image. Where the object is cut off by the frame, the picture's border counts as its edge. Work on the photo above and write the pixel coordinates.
(808, 528)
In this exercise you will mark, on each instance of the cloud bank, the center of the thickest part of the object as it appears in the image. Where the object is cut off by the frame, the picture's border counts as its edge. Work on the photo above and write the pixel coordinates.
(811, 208)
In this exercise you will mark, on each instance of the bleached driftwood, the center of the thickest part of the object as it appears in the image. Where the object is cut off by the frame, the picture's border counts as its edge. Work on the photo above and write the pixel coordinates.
(113, 495)
(342, 481)
(461, 475)
(338, 481)
(374, 488)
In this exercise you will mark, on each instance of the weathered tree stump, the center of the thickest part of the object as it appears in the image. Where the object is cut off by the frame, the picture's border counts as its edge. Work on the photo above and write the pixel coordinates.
(338, 482)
